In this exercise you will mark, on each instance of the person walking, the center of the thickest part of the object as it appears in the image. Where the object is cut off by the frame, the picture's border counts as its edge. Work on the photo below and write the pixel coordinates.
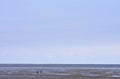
(37, 73)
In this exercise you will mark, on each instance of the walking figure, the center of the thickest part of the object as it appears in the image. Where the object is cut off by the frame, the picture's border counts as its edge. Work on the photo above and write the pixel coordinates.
(37, 73)
(41, 71)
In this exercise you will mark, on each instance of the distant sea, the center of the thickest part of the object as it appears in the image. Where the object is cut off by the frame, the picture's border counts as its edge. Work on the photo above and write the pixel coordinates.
(61, 65)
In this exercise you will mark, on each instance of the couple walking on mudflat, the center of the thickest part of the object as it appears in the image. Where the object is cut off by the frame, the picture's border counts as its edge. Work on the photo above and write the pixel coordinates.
(39, 72)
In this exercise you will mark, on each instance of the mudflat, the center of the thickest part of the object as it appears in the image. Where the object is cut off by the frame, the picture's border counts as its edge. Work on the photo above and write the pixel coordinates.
(55, 77)
(60, 72)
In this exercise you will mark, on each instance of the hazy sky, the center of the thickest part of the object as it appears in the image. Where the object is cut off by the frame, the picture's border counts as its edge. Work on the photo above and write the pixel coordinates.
(60, 31)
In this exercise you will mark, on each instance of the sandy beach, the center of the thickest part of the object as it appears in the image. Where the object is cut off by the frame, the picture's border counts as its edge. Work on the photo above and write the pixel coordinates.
(54, 77)
(59, 72)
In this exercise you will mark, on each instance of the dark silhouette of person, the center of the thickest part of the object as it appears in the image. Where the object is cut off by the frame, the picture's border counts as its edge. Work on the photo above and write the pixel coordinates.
(41, 71)
(37, 73)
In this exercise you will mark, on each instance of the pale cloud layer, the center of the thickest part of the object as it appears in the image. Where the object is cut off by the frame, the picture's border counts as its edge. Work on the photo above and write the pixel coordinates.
(56, 54)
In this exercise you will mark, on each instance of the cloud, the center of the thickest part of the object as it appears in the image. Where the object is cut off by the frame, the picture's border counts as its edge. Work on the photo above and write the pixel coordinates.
(60, 51)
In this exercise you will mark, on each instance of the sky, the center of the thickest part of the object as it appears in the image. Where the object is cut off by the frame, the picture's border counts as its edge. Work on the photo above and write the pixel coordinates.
(60, 31)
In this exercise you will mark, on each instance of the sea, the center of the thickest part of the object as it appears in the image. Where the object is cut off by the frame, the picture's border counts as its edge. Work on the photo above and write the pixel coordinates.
(95, 70)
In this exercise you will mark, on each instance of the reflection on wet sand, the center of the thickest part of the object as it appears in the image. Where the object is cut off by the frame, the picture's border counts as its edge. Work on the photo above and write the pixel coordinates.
(59, 73)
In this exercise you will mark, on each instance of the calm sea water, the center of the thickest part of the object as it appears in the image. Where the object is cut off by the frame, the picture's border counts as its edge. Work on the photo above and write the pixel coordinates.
(60, 65)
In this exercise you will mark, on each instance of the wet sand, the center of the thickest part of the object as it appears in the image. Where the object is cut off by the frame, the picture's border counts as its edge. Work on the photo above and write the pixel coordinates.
(59, 72)
(55, 77)
(58, 75)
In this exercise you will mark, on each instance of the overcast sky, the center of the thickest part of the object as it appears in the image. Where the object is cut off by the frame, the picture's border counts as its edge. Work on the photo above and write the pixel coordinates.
(60, 31)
